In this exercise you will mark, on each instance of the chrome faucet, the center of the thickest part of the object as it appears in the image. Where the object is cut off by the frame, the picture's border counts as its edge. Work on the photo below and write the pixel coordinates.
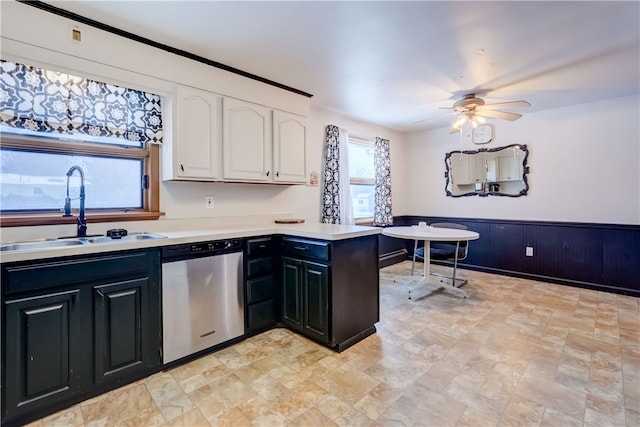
(82, 222)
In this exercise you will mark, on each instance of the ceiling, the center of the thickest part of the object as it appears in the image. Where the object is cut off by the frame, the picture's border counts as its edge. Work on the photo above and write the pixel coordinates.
(396, 63)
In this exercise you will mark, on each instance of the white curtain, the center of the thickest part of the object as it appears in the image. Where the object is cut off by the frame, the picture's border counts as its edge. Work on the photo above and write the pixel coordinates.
(346, 202)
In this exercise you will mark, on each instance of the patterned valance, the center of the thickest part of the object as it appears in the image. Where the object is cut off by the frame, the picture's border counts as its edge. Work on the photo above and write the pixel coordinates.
(46, 101)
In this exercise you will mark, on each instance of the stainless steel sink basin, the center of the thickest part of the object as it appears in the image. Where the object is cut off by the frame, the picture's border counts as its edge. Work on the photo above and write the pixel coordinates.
(129, 237)
(61, 243)
(42, 244)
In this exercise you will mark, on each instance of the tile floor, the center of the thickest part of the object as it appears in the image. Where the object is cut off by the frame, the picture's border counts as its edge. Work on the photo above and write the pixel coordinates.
(515, 353)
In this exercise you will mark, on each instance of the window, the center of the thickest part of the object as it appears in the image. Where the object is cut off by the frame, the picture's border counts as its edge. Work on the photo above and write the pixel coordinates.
(50, 121)
(362, 178)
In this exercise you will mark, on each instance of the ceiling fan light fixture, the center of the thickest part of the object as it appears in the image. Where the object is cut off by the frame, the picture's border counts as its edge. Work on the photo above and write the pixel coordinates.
(473, 111)
(477, 120)
(462, 119)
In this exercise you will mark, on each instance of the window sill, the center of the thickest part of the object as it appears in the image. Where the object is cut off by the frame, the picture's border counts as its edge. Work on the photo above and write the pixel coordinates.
(364, 221)
(17, 220)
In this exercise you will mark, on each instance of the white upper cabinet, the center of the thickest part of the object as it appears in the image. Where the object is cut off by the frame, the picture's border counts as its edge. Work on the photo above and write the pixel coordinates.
(196, 147)
(510, 168)
(246, 141)
(465, 169)
(226, 139)
(289, 147)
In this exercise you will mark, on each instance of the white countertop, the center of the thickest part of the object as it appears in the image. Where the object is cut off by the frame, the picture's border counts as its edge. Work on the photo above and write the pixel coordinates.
(310, 230)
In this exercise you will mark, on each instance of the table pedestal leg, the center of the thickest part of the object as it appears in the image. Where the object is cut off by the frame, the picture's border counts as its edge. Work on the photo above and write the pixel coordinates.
(426, 269)
(427, 274)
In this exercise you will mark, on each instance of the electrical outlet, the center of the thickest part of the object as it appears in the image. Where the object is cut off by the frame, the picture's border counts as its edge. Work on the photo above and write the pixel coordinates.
(208, 202)
(528, 251)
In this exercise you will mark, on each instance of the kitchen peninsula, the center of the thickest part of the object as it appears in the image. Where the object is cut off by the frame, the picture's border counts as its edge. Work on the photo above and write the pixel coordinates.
(104, 301)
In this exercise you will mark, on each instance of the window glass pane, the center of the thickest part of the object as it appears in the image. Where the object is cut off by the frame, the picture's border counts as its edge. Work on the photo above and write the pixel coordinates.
(38, 181)
(361, 163)
(363, 196)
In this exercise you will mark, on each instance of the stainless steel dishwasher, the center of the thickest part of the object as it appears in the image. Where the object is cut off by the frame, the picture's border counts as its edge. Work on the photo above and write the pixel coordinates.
(202, 296)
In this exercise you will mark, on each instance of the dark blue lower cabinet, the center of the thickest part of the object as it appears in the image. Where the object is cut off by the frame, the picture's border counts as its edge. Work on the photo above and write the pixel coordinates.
(315, 301)
(261, 295)
(330, 289)
(305, 288)
(75, 326)
(42, 347)
(121, 311)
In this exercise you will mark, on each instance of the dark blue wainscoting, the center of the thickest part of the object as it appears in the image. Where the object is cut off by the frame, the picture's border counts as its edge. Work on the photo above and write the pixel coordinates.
(596, 256)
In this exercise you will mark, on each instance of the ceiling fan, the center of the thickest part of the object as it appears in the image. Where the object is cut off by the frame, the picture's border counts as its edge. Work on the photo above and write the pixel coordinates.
(474, 110)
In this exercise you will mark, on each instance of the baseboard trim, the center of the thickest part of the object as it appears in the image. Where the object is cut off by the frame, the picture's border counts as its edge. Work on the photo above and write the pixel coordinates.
(548, 279)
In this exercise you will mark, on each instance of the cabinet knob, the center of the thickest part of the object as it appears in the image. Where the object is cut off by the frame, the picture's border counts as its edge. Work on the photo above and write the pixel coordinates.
(278, 174)
(268, 173)
(182, 168)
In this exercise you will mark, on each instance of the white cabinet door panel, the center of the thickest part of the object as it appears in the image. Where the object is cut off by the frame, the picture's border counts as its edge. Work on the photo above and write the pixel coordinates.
(246, 141)
(197, 144)
(289, 147)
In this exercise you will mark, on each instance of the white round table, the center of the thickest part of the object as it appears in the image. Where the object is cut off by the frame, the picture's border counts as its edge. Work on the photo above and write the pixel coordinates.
(429, 234)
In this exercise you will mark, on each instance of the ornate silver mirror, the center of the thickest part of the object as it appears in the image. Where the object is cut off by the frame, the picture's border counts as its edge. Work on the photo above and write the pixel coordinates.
(500, 171)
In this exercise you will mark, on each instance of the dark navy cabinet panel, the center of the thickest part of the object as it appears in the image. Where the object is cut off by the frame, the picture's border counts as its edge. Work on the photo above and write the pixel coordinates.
(260, 292)
(331, 289)
(597, 256)
(315, 279)
(72, 326)
(42, 346)
(125, 336)
(291, 274)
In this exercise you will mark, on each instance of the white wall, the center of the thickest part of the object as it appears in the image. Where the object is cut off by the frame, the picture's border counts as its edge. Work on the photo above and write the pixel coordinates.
(584, 167)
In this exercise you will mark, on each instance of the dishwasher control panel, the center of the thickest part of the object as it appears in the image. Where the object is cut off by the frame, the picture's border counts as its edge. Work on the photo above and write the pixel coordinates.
(200, 249)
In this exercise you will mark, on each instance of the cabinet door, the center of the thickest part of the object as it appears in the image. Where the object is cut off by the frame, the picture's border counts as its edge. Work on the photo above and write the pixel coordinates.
(124, 336)
(463, 169)
(197, 144)
(315, 305)
(246, 141)
(508, 169)
(42, 352)
(289, 147)
(292, 292)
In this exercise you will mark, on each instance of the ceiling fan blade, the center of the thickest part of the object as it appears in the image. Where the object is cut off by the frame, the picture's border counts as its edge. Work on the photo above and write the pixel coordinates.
(454, 130)
(504, 105)
(500, 115)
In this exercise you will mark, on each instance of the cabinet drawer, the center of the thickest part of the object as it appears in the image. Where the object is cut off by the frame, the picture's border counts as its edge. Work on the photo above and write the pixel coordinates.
(258, 267)
(25, 277)
(306, 248)
(259, 247)
(259, 289)
(261, 315)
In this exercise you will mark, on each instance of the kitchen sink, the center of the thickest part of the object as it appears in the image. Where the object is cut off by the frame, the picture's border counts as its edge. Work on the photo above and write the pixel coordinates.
(66, 242)
(41, 244)
(129, 237)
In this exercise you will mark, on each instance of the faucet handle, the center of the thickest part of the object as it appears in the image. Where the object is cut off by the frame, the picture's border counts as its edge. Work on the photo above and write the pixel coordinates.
(67, 207)
(82, 228)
